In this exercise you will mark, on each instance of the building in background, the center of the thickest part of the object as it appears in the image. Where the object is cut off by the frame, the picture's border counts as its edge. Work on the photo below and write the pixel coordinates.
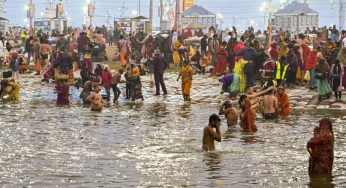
(198, 17)
(295, 18)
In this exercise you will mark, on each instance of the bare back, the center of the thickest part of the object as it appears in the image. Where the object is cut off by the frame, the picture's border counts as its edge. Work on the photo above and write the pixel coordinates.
(270, 104)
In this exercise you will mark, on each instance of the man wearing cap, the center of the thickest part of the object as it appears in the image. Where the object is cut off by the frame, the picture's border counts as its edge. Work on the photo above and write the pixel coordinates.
(210, 135)
(283, 103)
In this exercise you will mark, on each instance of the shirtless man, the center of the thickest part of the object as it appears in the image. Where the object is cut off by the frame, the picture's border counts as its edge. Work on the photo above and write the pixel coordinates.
(95, 100)
(254, 97)
(230, 113)
(270, 106)
(209, 134)
(45, 51)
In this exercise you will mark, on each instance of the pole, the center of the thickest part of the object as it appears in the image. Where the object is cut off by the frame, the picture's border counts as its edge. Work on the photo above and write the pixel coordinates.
(31, 21)
(139, 7)
(270, 28)
(151, 16)
(161, 14)
(297, 25)
(177, 15)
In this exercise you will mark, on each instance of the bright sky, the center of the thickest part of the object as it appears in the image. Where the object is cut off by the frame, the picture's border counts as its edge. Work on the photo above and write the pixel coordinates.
(247, 11)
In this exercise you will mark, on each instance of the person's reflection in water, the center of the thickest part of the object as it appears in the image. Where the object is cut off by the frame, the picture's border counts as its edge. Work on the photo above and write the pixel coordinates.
(157, 110)
(184, 110)
(213, 162)
(249, 138)
(321, 181)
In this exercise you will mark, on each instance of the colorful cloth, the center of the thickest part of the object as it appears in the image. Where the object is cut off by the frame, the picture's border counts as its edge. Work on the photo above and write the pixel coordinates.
(238, 69)
(321, 149)
(284, 105)
(323, 87)
(186, 72)
(247, 121)
(176, 56)
(221, 61)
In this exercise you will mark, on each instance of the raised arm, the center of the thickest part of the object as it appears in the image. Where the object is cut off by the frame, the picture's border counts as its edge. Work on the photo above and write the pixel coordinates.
(215, 135)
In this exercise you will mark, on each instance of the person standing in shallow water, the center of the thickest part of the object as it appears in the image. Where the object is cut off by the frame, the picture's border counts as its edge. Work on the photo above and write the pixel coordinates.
(230, 113)
(210, 135)
(62, 89)
(186, 80)
(247, 116)
(96, 100)
(321, 149)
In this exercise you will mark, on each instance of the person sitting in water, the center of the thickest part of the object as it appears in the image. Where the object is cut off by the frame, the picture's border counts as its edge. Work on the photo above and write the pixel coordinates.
(210, 135)
(270, 106)
(11, 88)
(62, 89)
(283, 102)
(230, 113)
(96, 100)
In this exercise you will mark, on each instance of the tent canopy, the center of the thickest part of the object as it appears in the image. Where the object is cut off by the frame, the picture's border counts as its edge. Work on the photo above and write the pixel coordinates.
(197, 11)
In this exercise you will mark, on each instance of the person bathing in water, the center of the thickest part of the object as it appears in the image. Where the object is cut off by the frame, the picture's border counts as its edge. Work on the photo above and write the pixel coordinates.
(96, 100)
(210, 135)
(230, 113)
(270, 106)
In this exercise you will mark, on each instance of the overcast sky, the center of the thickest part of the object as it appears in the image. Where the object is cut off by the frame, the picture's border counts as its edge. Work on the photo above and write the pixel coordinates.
(247, 11)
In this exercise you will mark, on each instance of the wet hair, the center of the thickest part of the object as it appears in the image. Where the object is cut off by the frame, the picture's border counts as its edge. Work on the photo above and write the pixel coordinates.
(214, 118)
(121, 71)
(121, 37)
(228, 104)
(241, 99)
(224, 43)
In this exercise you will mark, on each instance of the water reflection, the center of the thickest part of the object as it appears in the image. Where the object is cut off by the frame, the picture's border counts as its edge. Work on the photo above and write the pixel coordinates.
(321, 182)
(213, 162)
(154, 143)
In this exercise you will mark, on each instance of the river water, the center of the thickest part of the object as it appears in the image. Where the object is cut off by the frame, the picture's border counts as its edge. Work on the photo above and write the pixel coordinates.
(155, 143)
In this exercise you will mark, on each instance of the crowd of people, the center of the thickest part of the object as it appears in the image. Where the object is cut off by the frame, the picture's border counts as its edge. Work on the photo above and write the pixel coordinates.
(244, 61)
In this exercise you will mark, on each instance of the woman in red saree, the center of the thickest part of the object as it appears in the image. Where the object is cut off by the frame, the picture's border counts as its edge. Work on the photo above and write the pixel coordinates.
(247, 118)
(62, 89)
(321, 149)
(221, 60)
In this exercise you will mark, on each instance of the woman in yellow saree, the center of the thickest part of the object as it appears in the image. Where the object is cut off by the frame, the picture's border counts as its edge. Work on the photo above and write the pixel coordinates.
(186, 80)
(176, 56)
(238, 69)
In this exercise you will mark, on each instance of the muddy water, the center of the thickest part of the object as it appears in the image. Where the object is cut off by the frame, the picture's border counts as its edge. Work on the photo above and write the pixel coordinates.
(155, 143)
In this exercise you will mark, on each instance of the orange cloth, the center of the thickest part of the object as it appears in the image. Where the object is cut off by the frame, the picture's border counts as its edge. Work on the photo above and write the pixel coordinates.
(38, 65)
(122, 58)
(247, 120)
(186, 81)
(284, 104)
(75, 66)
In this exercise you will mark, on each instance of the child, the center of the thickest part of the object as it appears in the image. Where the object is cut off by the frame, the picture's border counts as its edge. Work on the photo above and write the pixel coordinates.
(128, 83)
(230, 113)
(15, 65)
